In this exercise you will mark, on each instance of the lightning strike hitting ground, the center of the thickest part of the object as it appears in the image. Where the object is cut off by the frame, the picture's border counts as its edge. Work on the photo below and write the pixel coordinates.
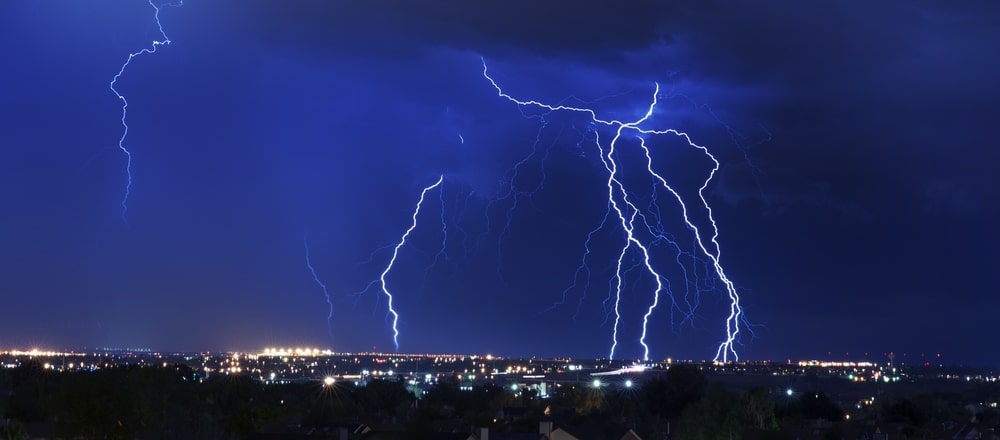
(326, 293)
(626, 209)
(121, 141)
(392, 261)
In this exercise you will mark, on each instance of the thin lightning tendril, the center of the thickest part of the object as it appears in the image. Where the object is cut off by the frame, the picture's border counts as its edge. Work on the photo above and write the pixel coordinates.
(627, 211)
(443, 251)
(326, 293)
(584, 268)
(121, 141)
(515, 193)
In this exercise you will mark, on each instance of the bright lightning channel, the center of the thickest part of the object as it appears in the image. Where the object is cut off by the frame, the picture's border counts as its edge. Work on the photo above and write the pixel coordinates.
(627, 211)
(326, 293)
(395, 253)
(121, 141)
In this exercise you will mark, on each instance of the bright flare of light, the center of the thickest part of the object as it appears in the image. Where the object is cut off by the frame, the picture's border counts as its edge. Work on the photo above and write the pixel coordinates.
(329, 381)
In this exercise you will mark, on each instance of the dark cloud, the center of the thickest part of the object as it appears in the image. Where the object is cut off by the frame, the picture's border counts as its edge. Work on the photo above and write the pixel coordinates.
(739, 184)
(546, 28)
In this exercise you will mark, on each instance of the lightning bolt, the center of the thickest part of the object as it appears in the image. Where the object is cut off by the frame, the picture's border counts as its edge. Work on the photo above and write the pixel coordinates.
(626, 210)
(392, 261)
(326, 293)
(121, 141)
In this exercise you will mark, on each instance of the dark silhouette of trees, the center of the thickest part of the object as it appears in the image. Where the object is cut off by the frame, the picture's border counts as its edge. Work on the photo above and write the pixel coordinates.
(126, 402)
(723, 414)
(383, 398)
(760, 409)
(810, 405)
(477, 407)
(32, 388)
(442, 397)
(130, 402)
(12, 431)
(669, 396)
(585, 400)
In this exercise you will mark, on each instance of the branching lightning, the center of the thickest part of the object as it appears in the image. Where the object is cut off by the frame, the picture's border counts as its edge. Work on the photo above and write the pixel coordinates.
(514, 193)
(625, 206)
(121, 141)
(326, 293)
(583, 268)
(442, 252)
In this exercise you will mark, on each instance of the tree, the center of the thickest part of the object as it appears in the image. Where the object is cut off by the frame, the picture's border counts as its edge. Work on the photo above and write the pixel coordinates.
(713, 417)
(383, 397)
(584, 400)
(760, 409)
(725, 415)
(12, 431)
(669, 396)
(31, 392)
(811, 405)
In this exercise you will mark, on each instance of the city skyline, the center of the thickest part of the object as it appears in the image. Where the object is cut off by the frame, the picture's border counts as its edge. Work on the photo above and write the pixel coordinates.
(289, 170)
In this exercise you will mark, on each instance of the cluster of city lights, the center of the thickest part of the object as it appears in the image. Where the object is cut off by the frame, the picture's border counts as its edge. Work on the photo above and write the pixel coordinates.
(835, 364)
(295, 352)
(34, 352)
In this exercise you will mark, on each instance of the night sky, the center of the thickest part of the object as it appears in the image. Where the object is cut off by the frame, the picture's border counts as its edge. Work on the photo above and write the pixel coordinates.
(856, 199)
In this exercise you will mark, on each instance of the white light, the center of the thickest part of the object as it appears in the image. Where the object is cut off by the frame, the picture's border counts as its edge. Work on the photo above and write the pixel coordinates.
(788, 392)
(628, 384)
(597, 383)
(328, 381)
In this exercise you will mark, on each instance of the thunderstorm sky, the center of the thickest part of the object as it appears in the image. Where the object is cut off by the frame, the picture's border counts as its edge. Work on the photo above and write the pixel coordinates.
(856, 200)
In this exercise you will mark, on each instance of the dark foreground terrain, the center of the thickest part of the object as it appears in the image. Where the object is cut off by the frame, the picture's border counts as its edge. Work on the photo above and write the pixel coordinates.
(687, 401)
